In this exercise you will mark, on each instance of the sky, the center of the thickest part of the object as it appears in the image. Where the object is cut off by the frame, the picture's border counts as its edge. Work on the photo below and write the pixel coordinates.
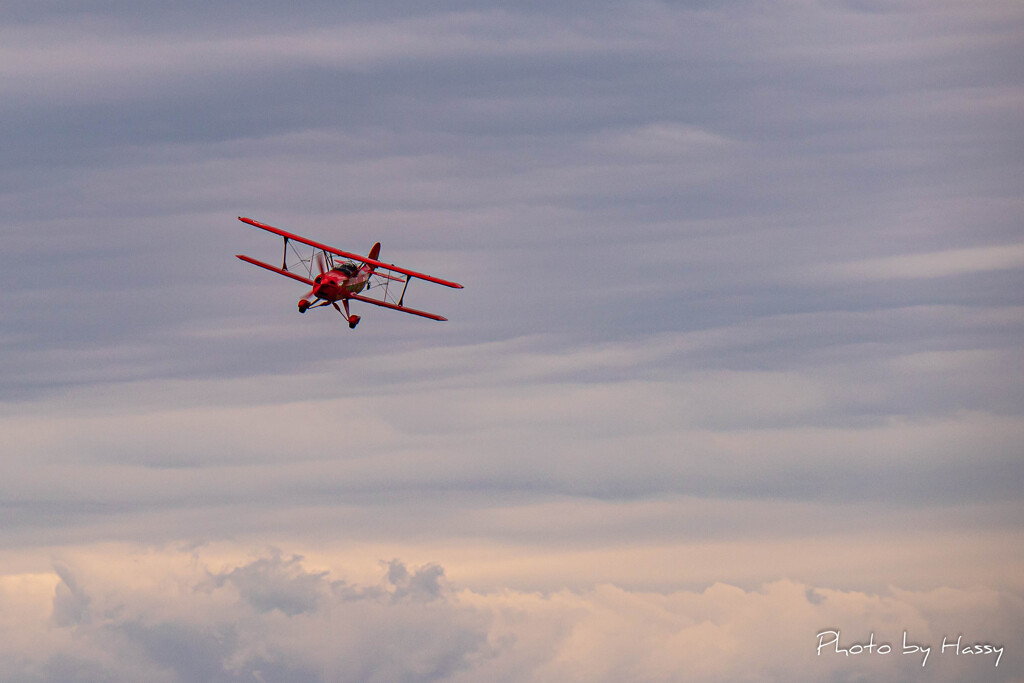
(738, 363)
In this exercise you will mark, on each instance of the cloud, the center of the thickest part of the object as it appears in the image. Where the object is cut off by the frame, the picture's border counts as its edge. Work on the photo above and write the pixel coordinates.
(95, 59)
(933, 265)
(798, 409)
(275, 583)
(268, 618)
(175, 618)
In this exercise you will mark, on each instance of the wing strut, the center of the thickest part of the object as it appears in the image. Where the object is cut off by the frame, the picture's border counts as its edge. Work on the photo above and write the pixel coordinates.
(284, 257)
(404, 287)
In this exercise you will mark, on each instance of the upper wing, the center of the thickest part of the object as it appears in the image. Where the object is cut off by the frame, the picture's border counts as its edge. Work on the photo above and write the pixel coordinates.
(346, 254)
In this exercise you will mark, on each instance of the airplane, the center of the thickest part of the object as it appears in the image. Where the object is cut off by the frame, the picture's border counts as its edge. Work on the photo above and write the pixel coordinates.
(343, 281)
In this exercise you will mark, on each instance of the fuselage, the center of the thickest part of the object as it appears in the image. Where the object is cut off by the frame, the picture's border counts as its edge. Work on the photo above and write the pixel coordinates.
(340, 281)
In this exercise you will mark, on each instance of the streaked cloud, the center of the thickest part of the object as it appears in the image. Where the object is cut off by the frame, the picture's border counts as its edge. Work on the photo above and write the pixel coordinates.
(932, 265)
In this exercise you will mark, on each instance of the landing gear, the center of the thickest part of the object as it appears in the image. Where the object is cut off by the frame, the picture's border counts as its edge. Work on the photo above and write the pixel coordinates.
(352, 319)
(303, 306)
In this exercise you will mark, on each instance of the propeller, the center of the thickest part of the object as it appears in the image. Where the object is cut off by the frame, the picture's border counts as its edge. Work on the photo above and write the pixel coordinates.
(322, 266)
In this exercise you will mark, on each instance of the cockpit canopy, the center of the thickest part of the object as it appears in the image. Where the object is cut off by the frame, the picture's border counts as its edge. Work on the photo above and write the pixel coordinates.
(346, 268)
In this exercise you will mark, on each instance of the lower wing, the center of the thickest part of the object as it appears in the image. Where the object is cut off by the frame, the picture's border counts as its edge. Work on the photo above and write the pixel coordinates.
(396, 307)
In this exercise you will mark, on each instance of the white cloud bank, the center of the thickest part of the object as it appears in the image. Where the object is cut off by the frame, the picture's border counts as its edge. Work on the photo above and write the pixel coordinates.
(186, 615)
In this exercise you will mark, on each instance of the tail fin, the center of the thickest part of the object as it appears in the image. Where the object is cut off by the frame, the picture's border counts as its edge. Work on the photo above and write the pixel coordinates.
(375, 252)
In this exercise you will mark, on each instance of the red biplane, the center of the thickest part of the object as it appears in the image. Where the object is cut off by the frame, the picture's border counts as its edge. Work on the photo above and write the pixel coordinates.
(342, 280)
